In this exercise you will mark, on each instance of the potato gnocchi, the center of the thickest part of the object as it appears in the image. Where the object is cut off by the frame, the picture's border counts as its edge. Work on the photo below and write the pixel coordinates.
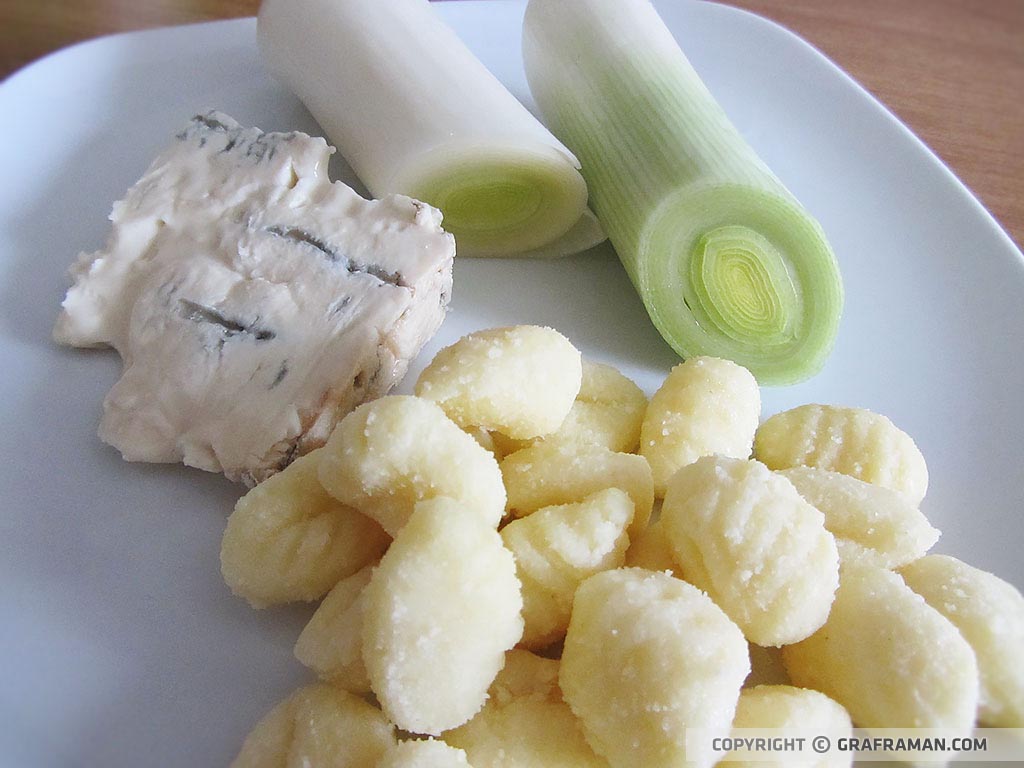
(607, 412)
(647, 656)
(887, 656)
(332, 642)
(556, 548)
(652, 551)
(990, 615)
(868, 521)
(784, 706)
(762, 553)
(439, 613)
(429, 632)
(391, 453)
(545, 474)
(318, 725)
(520, 381)
(288, 540)
(706, 406)
(853, 441)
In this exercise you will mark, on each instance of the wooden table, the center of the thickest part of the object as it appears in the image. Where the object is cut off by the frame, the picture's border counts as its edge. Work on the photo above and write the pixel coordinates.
(953, 70)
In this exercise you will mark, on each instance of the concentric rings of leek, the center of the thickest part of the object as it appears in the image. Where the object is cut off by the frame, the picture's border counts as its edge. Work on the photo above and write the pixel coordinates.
(500, 203)
(763, 293)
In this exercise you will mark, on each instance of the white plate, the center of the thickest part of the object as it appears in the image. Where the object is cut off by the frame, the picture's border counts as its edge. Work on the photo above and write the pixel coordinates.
(120, 644)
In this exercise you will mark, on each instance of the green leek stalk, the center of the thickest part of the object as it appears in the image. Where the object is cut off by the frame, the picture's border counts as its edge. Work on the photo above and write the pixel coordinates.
(414, 112)
(726, 261)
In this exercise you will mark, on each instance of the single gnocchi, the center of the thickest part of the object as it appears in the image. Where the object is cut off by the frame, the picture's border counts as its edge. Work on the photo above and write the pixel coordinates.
(318, 726)
(441, 609)
(705, 406)
(288, 540)
(787, 707)
(556, 548)
(607, 412)
(854, 441)
(389, 454)
(545, 474)
(646, 657)
(743, 534)
(424, 753)
(332, 643)
(888, 657)
(868, 521)
(990, 615)
(520, 381)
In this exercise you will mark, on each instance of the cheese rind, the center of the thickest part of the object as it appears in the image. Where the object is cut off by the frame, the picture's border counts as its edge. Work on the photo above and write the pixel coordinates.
(253, 302)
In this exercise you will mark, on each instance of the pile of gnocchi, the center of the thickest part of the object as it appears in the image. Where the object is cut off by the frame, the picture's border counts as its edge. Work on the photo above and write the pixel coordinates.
(527, 563)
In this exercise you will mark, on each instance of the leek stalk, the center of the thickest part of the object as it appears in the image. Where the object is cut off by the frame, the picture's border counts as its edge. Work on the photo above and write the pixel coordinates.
(413, 111)
(726, 261)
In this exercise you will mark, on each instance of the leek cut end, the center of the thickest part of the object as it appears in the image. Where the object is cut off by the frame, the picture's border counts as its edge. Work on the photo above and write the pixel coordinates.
(502, 203)
(742, 273)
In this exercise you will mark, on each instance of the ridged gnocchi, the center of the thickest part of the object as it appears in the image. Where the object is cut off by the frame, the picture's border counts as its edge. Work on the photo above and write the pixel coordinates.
(990, 615)
(556, 548)
(646, 657)
(441, 609)
(888, 657)
(318, 725)
(868, 521)
(520, 381)
(288, 540)
(743, 534)
(424, 753)
(788, 707)
(332, 642)
(544, 475)
(705, 406)
(854, 441)
(389, 454)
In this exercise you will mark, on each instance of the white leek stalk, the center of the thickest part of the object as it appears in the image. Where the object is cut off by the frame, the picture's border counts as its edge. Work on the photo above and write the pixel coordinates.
(726, 260)
(414, 112)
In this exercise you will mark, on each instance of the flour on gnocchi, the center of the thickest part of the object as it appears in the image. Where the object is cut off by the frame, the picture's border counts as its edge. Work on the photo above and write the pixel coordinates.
(646, 657)
(743, 534)
(288, 540)
(788, 707)
(439, 613)
(990, 615)
(706, 406)
(318, 725)
(888, 657)
(853, 441)
(868, 521)
(389, 454)
(556, 548)
(545, 474)
(520, 381)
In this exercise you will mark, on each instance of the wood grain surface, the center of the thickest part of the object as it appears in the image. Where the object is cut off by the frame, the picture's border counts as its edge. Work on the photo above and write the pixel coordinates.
(953, 70)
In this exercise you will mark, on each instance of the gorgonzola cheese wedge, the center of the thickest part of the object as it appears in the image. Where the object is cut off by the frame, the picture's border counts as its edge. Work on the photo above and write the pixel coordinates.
(254, 303)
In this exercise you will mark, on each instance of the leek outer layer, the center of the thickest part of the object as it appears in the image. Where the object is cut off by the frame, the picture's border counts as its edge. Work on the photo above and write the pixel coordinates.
(726, 261)
(414, 112)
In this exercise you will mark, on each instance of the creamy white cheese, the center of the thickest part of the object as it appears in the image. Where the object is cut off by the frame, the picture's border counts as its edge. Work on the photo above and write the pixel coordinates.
(253, 302)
